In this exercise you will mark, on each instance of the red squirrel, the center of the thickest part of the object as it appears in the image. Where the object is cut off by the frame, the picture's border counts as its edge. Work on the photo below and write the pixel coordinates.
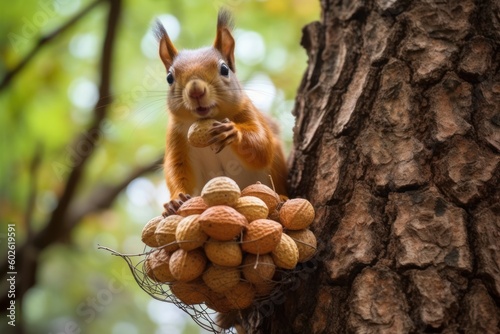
(244, 143)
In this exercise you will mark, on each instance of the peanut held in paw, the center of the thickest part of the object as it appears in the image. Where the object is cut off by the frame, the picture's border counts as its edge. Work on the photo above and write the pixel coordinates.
(198, 133)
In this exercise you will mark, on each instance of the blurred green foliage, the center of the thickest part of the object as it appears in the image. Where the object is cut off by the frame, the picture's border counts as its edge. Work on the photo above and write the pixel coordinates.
(79, 288)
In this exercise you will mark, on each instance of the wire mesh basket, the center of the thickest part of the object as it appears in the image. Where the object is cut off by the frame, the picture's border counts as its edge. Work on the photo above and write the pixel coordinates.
(198, 307)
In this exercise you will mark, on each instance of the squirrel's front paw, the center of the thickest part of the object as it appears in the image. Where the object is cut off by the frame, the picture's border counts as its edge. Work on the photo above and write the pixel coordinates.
(222, 134)
(172, 206)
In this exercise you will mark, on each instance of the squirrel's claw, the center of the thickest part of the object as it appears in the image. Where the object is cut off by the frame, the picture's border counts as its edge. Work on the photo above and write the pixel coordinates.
(172, 206)
(184, 197)
(224, 127)
(223, 133)
(220, 146)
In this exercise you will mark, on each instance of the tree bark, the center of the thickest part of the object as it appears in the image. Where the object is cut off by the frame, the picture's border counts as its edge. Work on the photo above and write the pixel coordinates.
(397, 143)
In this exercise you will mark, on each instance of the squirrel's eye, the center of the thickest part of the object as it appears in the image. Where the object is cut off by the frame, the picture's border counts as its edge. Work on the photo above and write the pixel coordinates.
(170, 78)
(224, 70)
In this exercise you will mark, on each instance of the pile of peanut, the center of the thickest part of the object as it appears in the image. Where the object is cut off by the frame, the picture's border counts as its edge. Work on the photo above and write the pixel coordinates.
(223, 248)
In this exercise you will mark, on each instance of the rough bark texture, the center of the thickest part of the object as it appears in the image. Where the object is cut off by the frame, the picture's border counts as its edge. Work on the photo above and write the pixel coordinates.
(397, 145)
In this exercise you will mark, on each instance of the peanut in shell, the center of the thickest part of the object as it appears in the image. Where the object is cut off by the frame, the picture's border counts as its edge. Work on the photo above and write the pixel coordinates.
(261, 236)
(296, 214)
(221, 190)
(223, 253)
(222, 222)
(194, 205)
(218, 302)
(306, 243)
(258, 269)
(157, 266)
(148, 232)
(286, 254)
(241, 295)
(252, 208)
(189, 234)
(221, 279)
(198, 133)
(190, 293)
(165, 232)
(266, 194)
(147, 268)
(187, 265)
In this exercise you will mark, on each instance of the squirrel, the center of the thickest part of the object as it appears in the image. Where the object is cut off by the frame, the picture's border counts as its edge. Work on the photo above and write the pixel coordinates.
(244, 143)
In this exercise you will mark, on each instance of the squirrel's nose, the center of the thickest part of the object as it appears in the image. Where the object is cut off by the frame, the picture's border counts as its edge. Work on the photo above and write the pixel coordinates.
(196, 90)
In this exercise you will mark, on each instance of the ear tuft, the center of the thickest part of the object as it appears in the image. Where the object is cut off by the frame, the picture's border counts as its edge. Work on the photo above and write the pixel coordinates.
(159, 30)
(167, 49)
(224, 41)
(225, 19)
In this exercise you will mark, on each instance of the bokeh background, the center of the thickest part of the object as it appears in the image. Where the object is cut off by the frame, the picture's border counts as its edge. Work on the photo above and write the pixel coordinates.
(50, 102)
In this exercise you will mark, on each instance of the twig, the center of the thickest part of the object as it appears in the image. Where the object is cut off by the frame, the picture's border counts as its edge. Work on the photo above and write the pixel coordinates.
(44, 40)
(116, 253)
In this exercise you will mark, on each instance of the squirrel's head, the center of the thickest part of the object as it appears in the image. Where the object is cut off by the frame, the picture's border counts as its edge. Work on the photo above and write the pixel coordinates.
(202, 82)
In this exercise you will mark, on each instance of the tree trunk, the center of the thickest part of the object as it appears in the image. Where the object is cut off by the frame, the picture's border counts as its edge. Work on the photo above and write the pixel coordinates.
(397, 143)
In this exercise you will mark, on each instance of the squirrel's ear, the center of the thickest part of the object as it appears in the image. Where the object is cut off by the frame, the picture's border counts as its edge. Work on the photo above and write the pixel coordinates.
(224, 41)
(167, 48)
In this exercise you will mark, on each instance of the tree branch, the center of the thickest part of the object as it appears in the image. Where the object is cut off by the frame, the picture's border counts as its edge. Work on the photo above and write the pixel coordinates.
(32, 190)
(54, 230)
(89, 138)
(102, 197)
(43, 41)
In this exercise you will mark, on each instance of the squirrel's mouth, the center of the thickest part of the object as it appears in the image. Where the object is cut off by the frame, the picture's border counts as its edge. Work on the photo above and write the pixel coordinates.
(203, 111)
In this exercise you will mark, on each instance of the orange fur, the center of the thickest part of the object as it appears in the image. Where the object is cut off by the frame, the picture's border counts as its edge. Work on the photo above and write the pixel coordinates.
(177, 167)
(259, 146)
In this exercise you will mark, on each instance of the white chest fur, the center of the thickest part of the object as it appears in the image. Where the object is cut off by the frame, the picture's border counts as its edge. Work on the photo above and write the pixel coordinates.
(207, 165)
